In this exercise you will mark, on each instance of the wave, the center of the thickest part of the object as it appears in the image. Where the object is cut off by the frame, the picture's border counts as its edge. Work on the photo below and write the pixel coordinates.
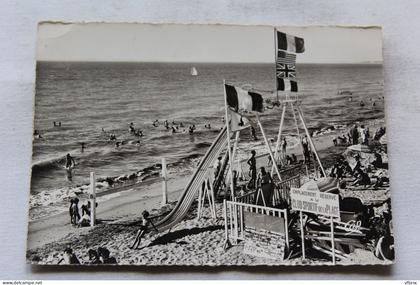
(49, 164)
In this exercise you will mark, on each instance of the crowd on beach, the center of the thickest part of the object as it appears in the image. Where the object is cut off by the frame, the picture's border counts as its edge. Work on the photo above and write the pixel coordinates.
(77, 219)
(99, 256)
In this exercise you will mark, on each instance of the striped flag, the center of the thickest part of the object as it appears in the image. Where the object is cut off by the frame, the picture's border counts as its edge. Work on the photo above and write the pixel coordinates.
(242, 100)
(290, 43)
(286, 65)
(287, 85)
(286, 58)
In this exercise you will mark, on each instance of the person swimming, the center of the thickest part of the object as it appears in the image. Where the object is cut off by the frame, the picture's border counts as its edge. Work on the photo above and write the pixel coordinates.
(155, 123)
(173, 130)
(131, 128)
(138, 133)
(37, 134)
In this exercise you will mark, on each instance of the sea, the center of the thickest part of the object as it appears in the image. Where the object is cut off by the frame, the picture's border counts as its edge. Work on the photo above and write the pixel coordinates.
(92, 100)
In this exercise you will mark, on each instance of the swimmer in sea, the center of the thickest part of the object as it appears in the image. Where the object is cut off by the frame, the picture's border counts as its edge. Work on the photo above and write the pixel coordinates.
(83, 146)
(37, 134)
(155, 123)
(131, 128)
(173, 130)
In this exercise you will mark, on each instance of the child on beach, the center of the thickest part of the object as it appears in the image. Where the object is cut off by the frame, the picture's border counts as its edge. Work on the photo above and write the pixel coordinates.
(145, 222)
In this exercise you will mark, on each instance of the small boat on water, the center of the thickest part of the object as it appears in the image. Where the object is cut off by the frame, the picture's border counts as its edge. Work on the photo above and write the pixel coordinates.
(194, 71)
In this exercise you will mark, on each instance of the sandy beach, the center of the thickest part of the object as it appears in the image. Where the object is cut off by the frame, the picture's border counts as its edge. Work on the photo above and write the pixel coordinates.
(190, 242)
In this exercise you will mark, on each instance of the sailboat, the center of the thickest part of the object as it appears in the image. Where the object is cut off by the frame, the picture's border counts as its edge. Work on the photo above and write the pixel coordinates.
(194, 71)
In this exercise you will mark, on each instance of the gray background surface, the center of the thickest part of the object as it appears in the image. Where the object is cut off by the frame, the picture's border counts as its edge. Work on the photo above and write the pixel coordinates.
(400, 21)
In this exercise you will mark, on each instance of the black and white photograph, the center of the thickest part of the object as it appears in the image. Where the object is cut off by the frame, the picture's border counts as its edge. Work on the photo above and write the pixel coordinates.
(209, 145)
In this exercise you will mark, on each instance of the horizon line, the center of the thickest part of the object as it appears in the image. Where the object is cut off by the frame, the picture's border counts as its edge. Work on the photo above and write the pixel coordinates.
(205, 62)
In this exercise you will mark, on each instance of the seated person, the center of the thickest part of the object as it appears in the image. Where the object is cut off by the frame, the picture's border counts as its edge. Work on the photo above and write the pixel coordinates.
(84, 221)
(362, 178)
(378, 163)
(381, 179)
(93, 257)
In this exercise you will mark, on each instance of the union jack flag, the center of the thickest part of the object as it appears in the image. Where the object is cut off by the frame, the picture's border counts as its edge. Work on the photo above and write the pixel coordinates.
(285, 70)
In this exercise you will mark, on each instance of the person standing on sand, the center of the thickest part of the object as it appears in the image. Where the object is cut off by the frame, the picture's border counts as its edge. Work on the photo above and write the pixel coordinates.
(355, 135)
(283, 148)
(217, 166)
(145, 222)
(252, 162)
(71, 210)
(362, 132)
(306, 152)
(253, 134)
(75, 211)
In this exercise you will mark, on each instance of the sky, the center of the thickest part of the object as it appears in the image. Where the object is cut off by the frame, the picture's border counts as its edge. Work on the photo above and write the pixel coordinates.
(201, 43)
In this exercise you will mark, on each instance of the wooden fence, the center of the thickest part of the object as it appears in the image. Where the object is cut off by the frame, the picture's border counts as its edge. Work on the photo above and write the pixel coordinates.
(235, 224)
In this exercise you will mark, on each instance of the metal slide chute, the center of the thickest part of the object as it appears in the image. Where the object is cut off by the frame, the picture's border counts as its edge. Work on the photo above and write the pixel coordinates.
(188, 196)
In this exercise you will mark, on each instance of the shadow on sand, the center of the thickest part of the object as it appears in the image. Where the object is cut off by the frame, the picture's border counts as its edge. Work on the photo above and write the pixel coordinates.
(173, 236)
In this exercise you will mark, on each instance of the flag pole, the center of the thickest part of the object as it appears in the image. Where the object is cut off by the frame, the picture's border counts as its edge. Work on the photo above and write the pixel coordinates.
(228, 143)
(268, 146)
(275, 63)
(310, 141)
(276, 151)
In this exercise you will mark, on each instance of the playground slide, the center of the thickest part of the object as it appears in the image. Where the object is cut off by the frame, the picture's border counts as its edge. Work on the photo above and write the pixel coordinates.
(187, 197)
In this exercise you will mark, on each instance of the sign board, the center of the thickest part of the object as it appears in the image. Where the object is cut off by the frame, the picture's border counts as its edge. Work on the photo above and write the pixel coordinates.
(264, 244)
(264, 222)
(315, 202)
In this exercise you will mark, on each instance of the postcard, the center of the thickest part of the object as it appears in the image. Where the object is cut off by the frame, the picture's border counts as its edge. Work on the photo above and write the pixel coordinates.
(171, 144)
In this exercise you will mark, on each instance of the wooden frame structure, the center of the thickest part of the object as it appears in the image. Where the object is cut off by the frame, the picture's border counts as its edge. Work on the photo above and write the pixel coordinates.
(233, 213)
